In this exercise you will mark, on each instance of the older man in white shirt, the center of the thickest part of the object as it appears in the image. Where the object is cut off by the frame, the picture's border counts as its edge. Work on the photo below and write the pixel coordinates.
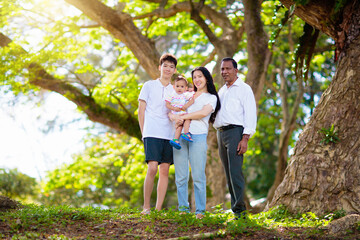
(235, 124)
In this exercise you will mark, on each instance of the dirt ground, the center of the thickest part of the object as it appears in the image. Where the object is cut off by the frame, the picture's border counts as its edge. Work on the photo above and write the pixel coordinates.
(146, 227)
(143, 228)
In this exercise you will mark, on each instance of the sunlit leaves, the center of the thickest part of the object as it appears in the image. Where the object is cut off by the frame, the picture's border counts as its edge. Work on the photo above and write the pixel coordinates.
(94, 176)
(14, 63)
(15, 184)
(318, 60)
(8, 10)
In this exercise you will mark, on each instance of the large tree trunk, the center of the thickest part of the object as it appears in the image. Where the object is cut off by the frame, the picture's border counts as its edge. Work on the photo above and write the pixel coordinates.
(257, 47)
(288, 123)
(326, 177)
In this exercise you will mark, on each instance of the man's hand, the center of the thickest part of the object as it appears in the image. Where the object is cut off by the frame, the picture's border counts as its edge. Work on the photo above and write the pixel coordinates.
(243, 144)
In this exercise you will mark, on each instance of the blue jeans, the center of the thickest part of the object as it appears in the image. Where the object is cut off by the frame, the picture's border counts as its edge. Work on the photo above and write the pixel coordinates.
(195, 152)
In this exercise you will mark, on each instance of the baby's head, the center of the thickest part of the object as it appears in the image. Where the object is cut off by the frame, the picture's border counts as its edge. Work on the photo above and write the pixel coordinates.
(180, 85)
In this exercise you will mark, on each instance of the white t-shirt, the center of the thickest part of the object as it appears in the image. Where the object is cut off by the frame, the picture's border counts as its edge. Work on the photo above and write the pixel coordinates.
(156, 120)
(238, 107)
(201, 126)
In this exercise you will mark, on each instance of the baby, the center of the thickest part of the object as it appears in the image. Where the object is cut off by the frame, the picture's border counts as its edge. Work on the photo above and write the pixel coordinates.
(178, 102)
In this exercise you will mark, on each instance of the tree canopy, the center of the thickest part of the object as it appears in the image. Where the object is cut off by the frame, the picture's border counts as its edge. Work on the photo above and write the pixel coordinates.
(98, 54)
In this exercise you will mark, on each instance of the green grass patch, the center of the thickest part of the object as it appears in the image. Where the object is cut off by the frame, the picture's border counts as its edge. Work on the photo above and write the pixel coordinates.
(35, 222)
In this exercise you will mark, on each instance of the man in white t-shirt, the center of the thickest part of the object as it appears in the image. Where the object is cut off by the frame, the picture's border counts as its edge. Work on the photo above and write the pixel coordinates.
(236, 123)
(157, 130)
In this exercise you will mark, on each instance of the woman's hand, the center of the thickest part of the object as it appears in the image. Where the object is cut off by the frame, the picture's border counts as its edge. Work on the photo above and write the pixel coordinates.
(180, 120)
(182, 116)
(176, 118)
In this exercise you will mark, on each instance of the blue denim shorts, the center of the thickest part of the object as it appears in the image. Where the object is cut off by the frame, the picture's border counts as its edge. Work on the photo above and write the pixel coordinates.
(158, 150)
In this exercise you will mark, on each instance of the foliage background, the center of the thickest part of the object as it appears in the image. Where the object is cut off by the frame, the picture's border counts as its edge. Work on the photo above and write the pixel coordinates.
(75, 49)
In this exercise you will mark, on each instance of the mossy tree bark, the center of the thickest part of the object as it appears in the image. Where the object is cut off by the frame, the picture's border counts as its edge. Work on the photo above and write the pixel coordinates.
(325, 177)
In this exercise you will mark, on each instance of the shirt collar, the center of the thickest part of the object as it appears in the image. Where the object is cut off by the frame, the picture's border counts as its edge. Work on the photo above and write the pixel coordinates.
(236, 83)
(158, 80)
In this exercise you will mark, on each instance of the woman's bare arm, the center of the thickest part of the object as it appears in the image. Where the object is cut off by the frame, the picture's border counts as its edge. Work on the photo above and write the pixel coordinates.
(206, 110)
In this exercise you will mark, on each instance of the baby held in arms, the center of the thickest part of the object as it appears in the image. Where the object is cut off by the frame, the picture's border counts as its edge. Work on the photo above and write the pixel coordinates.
(178, 102)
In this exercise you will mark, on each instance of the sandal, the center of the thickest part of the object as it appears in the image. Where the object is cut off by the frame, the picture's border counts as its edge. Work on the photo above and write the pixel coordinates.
(145, 212)
(199, 216)
(187, 137)
(175, 143)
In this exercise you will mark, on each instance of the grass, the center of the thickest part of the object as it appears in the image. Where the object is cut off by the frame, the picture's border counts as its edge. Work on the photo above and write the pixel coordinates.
(64, 222)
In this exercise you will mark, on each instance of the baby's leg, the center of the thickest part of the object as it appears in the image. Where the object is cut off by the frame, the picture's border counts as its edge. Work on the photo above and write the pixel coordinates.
(178, 129)
(186, 125)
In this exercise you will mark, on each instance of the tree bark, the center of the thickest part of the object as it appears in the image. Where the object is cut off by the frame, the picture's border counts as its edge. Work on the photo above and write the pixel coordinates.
(325, 177)
(318, 14)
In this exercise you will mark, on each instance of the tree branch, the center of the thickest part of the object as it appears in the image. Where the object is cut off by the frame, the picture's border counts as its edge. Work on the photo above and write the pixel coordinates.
(209, 58)
(119, 121)
(195, 15)
(121, 25)
(215, 17)
(257, 47)
(268, 84)
(112, 93)
(317, 14)
(284, 92)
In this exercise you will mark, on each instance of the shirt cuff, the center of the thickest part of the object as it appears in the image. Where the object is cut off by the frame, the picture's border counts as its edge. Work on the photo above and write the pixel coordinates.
(249, 132)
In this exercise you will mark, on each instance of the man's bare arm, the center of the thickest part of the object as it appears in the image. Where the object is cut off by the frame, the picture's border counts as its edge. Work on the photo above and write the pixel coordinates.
(141, 114)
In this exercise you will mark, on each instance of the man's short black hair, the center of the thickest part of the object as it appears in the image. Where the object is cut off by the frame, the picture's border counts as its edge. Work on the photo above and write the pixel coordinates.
(168, 57)
(234, 63)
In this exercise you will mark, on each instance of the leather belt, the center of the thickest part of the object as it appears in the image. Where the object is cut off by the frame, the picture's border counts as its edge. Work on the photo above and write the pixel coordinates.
(227, 127)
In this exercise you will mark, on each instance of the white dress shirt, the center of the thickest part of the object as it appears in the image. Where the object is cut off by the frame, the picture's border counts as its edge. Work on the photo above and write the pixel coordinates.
(238, 107)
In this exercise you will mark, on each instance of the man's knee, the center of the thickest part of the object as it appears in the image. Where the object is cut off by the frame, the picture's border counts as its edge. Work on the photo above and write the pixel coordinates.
(164, 170)
(152, 168)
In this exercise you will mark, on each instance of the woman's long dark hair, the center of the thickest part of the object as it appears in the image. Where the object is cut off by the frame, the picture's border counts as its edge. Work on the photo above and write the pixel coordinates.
(211, 89)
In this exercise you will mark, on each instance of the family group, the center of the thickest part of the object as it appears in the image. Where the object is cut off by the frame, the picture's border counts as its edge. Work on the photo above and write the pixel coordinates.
(174, 122)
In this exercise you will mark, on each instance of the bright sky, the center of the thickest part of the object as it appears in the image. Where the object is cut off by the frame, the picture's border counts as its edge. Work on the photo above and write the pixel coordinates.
(24, 146)
(22, 143)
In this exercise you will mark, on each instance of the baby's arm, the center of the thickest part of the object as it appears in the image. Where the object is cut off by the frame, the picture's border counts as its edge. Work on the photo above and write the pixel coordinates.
(176, 109)
(188, 104)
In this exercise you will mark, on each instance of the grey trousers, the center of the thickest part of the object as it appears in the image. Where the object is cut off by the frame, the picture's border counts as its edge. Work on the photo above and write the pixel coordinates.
(228, 141)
